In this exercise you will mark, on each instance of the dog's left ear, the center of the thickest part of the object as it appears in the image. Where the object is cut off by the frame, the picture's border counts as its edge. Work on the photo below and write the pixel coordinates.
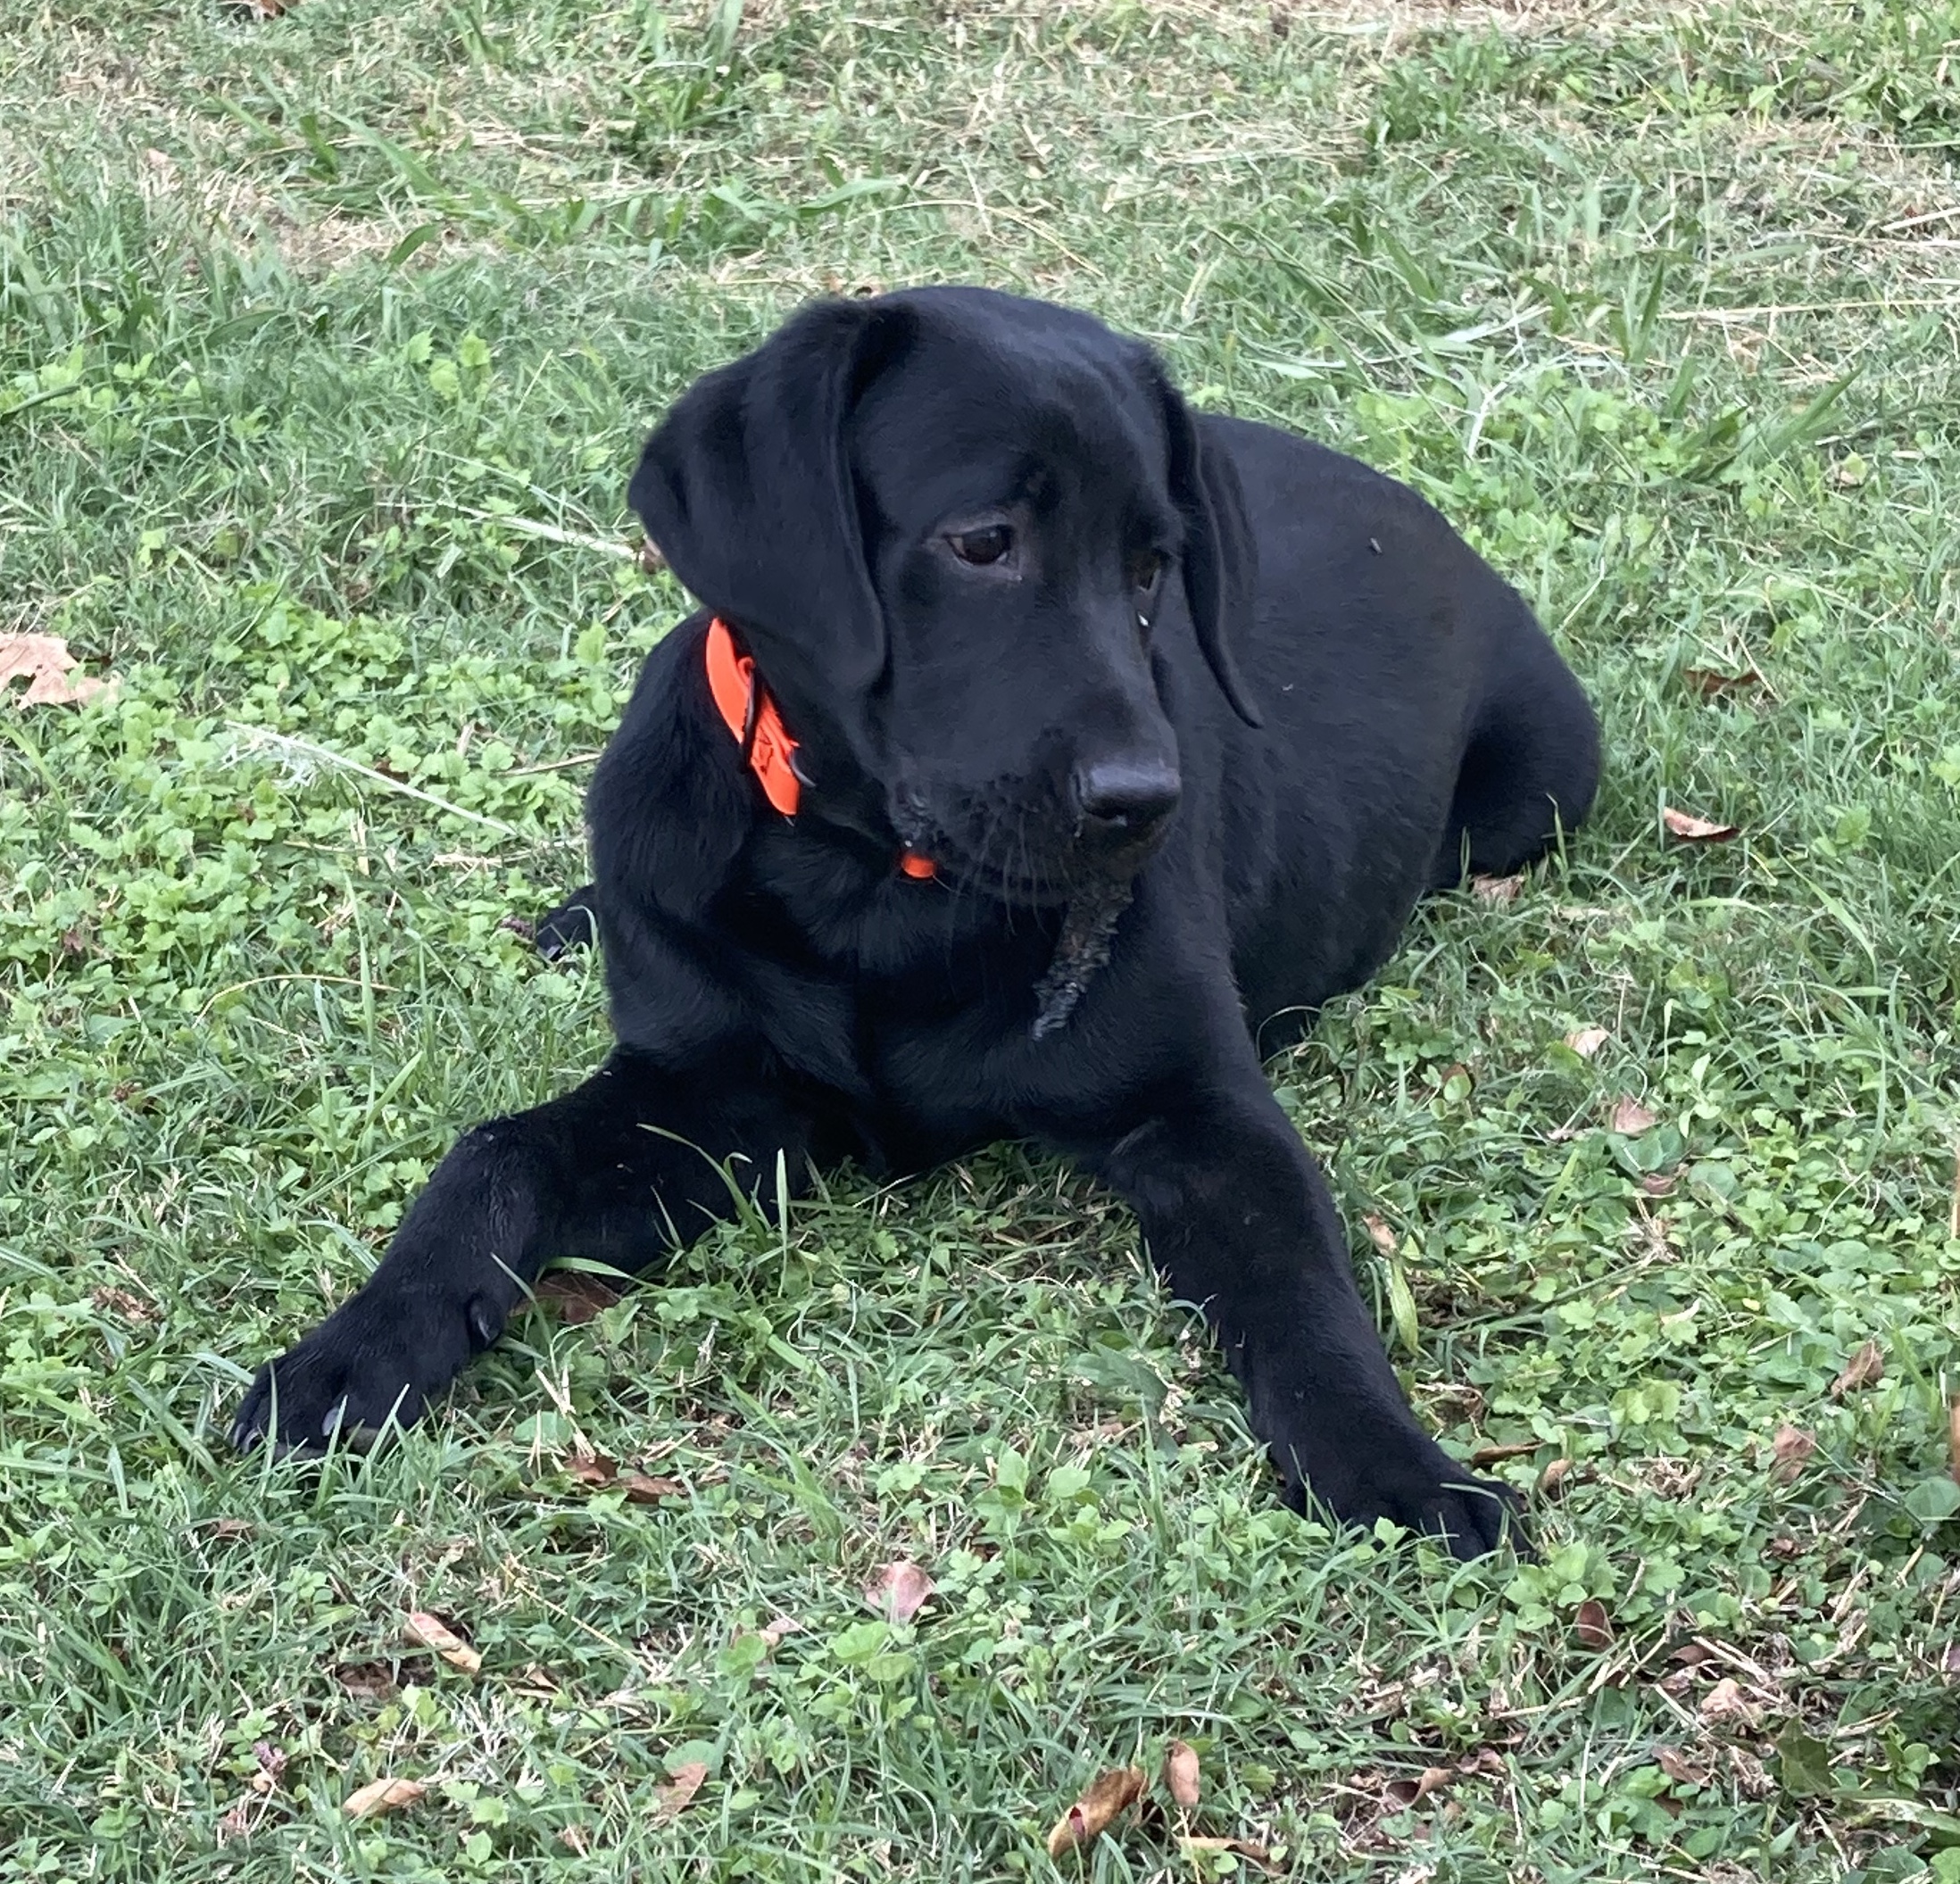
(745, 488)
(1221, 568)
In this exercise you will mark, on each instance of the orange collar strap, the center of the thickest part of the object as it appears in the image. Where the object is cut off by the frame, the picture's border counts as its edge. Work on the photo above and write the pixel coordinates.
(749, 714)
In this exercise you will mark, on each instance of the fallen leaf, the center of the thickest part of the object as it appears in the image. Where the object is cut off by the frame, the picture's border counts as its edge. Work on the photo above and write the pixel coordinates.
(592, 1469)
(573, 1838)
(49, 668)
(1865, 1368)
(1254, 1854)
(1658, 1183)
(430, 1632)
(1788, 1451)
(1693, 830)
(1711, 684)
(1494, 1454)
(1495, 889)
(1692, 1655)
(1593, 1626)
(671, 1800)
(1181, 1773)
(380, 1796)
(900, 1590)
(772, 1632)
(1630, 1118)
(1086, 1821)
(1725, 1701)
(1585, 1041)
(1405, 1792)
(640, 1490)
(651, 558)
(230, 1527)
(578, 1298)
(1681, 1771)
(1380, 1235)
(1551, 1482)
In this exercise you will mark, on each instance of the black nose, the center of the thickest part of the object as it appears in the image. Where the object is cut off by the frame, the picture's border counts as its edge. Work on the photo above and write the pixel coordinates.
(1122, 800)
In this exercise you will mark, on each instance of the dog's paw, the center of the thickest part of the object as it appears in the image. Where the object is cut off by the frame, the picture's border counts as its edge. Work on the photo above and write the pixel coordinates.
(572, 925)
(371, 1363)
(1408, 1479)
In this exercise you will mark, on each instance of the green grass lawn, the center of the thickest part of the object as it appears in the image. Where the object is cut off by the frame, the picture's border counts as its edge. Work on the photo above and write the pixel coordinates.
(326, 344)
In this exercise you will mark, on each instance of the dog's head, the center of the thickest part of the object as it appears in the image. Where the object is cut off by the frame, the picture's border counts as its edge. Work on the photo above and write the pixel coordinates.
(956, 529)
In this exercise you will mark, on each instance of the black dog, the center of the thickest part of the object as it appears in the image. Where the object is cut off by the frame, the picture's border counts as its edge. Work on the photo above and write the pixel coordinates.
(1050, 751)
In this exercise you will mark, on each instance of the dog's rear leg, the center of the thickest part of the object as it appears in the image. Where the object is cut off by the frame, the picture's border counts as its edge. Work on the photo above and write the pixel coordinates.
(1530, 768)
(621, 1169)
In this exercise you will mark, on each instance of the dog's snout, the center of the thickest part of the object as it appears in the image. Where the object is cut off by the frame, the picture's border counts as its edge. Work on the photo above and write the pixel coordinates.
(1122, 799)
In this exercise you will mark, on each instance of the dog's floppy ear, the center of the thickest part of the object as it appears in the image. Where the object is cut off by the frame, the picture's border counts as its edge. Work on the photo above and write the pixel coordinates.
(1221, 569)
(746, 489)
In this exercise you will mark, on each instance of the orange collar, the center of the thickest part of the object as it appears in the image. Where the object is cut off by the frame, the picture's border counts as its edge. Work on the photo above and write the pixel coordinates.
(749, 714)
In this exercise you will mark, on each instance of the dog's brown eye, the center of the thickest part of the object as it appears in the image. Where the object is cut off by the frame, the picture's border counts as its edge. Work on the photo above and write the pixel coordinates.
(983, 546)
(1145, 566)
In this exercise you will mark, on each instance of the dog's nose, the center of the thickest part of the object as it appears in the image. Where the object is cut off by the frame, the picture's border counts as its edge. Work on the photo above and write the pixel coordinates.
(1122, 800)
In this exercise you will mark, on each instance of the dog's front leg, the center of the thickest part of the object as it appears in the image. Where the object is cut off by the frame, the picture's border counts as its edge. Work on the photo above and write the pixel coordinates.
(621, 1170)
(1239, 1220)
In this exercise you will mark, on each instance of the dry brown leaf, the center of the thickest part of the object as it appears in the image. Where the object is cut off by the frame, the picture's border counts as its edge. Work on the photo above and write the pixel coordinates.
(1630, 1118)
(1725, 1701)
(380, 1796)
(1551, 1482)
(594, 1469)
(1681, 1771)
(772, 1632)
(1495, 889)
(1585, 1041)
(1380, 1235)
(671, 1800)
(1405, 1792)
(430, 1632)
(1711, 684)
(1788, 1451)
(1659, 1183)
(641, 1490)
(1693, 830)
(573, 1838)
(1257, 1855)
(578, 1297)
(1181, 1779)
(1495, 1455)
(1692, 1655)
(1105, 1796)
(1865, 1368)
(50, 670)
(1593, 1626)
(899, 1590)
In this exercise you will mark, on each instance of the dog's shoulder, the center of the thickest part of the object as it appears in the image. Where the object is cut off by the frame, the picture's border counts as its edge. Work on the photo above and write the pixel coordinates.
(669, 809)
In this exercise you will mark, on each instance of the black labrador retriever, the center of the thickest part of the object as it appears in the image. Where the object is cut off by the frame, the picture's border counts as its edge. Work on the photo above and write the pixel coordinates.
(1048, 752)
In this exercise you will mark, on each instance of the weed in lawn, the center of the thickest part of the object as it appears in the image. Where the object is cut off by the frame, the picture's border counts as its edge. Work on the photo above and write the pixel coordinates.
(325, 344)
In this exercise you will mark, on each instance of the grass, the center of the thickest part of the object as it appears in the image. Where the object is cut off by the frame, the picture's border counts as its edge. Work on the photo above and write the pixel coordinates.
(325, 344)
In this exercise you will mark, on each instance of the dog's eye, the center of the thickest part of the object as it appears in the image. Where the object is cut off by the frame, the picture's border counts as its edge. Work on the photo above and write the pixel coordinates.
(1145, 566)
(983, 546)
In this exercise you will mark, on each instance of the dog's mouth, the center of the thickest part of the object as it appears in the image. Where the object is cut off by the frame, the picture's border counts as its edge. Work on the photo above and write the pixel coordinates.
(1015, 856)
